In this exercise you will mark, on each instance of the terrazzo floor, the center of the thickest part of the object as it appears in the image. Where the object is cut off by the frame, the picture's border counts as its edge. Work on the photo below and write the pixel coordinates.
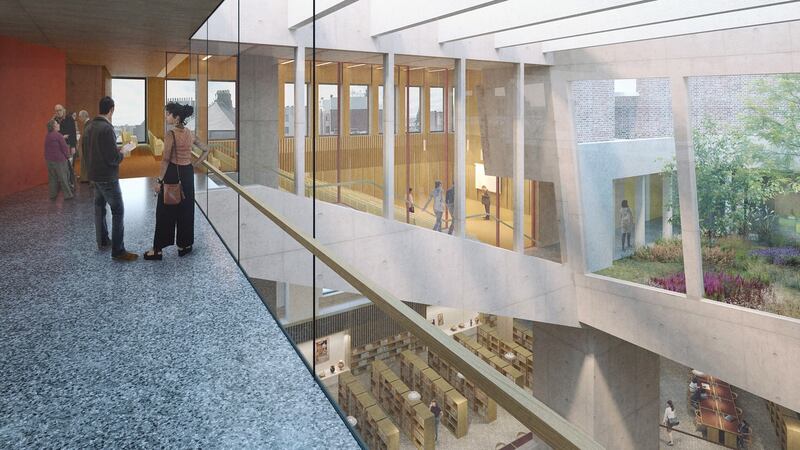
(173, 354)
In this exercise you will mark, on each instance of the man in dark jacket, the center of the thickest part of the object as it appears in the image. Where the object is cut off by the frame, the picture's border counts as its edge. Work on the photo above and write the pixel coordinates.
(103, 158)
(68, 129)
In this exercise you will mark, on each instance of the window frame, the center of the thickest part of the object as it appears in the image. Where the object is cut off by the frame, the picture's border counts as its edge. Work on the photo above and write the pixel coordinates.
(208, 92)
(350, 109)
(430, 109)
(338, 112)
(420, 102)
(167, 80)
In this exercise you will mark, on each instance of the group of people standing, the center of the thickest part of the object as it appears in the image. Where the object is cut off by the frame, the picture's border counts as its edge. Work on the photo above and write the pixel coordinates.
(100, 157)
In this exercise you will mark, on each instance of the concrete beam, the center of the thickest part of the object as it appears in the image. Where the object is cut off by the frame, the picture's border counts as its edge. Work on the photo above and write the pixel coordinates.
(389, 16)
(461, 147)
(518, 161)
(388, 136)
(299, 121)
(301, 12)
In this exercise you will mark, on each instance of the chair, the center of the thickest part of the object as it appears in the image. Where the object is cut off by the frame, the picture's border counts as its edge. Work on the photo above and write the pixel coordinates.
(734, 395)
(739, 412)
(499, 445)
(521, 434)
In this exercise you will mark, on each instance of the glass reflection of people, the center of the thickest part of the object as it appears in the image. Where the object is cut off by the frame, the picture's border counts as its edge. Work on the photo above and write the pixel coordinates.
(410, 207)
(438, 204)
(626, 223)
(486, 199)
(450, 201)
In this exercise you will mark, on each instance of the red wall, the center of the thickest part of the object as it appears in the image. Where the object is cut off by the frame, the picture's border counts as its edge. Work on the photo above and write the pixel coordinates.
(33, 81)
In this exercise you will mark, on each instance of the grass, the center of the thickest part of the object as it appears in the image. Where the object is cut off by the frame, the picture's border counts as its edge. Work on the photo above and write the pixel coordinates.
(785, 280)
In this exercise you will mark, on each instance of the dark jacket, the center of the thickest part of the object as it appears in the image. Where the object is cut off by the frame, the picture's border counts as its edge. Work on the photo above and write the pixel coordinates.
(69, 130)
(100, 150)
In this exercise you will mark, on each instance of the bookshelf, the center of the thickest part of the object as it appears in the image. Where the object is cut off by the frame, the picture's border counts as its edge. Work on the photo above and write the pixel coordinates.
(508, 370)
(377, 430)
(477, 400)
(523, 361)
(523, 336)
(787, 426)
(361, 357)
(414, 417)
(431, 386)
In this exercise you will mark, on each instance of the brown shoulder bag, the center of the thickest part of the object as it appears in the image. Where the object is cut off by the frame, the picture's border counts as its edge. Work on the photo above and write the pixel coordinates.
(173, 193)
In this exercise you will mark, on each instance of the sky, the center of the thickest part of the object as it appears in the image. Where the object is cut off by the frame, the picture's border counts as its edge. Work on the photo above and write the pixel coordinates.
(129, 101)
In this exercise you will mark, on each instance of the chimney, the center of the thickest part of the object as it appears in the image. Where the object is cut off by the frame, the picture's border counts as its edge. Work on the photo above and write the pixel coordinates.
(224, 99)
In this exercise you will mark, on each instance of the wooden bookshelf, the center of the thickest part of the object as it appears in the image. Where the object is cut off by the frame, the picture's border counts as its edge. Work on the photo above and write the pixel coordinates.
(523, 358)
(361, 357)
(523, 335)
(491, 358)
(427, 381)
(414, 417)
(375, 428)
(477, 400)
(787, 426)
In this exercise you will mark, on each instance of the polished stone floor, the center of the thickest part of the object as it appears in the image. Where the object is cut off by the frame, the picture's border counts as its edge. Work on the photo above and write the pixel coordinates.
(181, 353)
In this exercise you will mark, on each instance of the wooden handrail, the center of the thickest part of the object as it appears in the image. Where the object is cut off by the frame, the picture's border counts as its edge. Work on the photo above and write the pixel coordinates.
(548, 425)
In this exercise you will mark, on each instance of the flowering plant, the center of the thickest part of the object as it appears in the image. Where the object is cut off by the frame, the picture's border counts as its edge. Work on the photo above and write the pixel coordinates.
(724, 287)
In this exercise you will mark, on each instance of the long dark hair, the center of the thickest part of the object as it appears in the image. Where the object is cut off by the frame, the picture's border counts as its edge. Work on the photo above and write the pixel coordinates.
(182, 112)
(671, 406)
(624, 203)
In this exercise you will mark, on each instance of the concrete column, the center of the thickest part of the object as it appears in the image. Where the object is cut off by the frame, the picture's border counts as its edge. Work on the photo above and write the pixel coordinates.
(666, 208)
(518, 162)
(299, 120)
(258, 120)
(388, 136)
(461, 147)
(687, 190)
(640, 209)
(606, 386)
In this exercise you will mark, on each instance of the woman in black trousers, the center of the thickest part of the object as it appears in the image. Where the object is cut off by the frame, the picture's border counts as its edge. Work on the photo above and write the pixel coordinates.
(176, 167)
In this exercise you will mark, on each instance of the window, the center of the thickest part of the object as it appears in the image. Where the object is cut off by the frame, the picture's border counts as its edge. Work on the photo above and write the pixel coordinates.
(359, 109)
(625, 88)
(380, 109)
(129, 107)
(437, 109)
(414, 119)
(221, 110)
(328, 109)
(288, 109)
(183, 92)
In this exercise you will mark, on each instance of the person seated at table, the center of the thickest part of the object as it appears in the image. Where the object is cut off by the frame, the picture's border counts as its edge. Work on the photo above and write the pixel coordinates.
(698, 395)
(744, 434)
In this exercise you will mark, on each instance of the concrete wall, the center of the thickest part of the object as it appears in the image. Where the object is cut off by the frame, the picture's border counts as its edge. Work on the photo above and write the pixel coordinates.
(606, 386)
(32, 77)
(258, 119)
(413, 263)
(600, 163)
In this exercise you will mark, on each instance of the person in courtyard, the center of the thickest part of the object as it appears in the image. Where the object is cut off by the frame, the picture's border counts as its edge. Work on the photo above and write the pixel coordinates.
(56, 154)
(626, 223)
(438, 204)
(104, 158)
(176, 169)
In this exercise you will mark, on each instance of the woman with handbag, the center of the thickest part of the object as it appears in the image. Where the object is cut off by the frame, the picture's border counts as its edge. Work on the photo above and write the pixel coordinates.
(175, 186)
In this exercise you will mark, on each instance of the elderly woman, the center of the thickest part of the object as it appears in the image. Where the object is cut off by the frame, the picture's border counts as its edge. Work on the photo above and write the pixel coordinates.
(57, 154)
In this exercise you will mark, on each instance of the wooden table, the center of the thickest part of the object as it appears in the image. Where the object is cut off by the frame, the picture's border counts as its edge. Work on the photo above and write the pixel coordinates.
(723, 405)
(719, 430)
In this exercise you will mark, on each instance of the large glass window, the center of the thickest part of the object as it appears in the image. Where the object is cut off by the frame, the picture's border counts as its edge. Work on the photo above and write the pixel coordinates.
(185, 93)
(221, 110)
(414, 109)
(627, 153)
(129, 108)
(359, 109)
(328, 109)
(748, 188)
(437, 109)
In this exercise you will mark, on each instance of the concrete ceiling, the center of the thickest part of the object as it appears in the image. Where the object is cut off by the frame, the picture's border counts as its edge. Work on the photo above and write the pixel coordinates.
(129, 37)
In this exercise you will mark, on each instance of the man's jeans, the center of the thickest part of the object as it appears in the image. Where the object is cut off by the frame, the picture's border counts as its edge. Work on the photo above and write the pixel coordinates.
(438, 225)
(110, 193)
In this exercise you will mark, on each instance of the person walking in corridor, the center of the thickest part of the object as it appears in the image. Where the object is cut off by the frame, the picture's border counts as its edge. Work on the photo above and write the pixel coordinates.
(67, 128)
(450, 201)
(176, 168)
(437, 418)
(56, 154)
(438, 204)
(670, 420)
(486, 199)
(104, 158)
